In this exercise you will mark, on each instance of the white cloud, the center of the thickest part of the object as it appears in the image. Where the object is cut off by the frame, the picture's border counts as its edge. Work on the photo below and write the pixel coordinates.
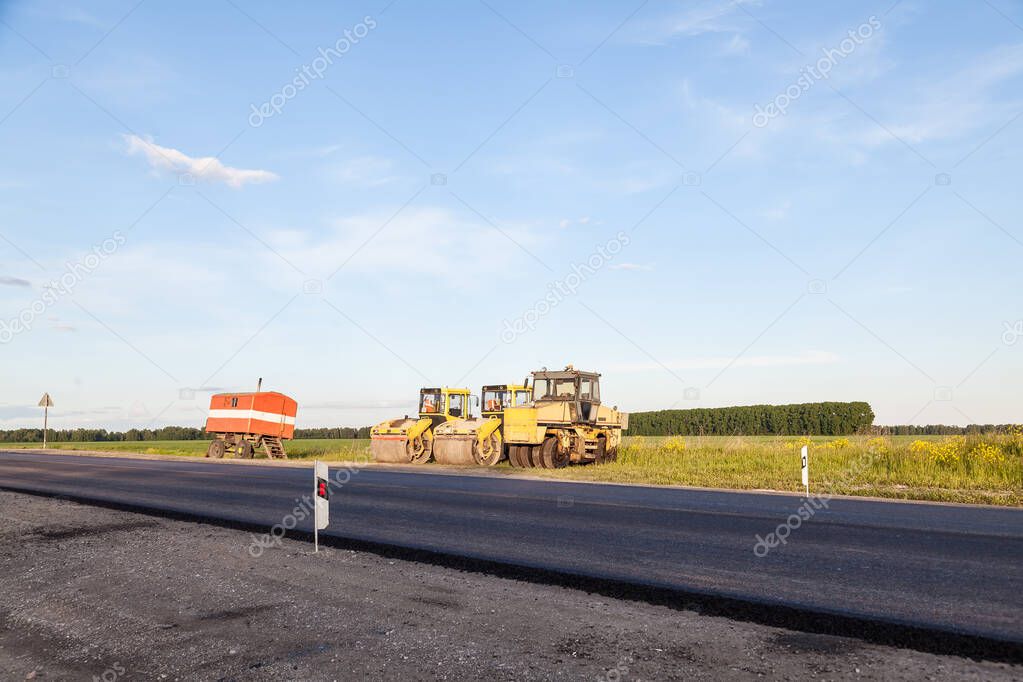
(632, 267)
(813, 357)
(207, 168)
(14, 281)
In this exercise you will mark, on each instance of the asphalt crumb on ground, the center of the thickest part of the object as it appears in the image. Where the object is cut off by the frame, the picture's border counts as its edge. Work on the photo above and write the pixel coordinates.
(89, 593)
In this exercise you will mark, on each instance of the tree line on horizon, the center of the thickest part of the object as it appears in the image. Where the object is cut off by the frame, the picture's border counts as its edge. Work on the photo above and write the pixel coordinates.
(804, 419)
(809, 419)
(164, 433)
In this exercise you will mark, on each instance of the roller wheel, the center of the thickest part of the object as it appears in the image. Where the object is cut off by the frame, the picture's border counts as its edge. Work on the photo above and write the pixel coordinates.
(612, 454)
(600, 454)
(536, 456)
(245, 450)
(216, 449)
(420, 449)
(560, 458)
(551, 456)
(489, 452)
(518, 455)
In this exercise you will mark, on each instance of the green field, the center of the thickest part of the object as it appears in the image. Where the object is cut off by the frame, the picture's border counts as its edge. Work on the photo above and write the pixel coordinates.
(978, 469)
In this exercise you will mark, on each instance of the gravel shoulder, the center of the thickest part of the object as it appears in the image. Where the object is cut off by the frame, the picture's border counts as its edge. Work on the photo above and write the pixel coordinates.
(87, 591)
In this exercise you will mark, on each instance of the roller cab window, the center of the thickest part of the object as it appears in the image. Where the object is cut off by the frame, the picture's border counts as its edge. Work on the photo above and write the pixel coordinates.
(554, 389)
(589, 389)
(495, 401)
(430, 403)
(456, 404)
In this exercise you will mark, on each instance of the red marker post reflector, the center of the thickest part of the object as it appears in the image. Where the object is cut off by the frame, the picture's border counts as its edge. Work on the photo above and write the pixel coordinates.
(321, 501)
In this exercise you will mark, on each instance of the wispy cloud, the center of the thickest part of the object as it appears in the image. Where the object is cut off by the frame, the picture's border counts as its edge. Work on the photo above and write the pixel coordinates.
(777, 212)
(204, 168)
(366, 171)
(736, 46)
(14, 281)
(568, 222)
(965, 100)
(79, 15)
(632, 267)
(708, 16)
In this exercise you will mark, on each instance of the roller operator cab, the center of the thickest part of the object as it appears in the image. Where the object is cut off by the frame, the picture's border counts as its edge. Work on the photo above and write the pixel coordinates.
(564, 423)
(410, 440)
(479, 440)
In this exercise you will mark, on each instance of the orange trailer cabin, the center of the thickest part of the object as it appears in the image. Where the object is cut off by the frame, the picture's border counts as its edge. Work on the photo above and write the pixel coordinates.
(266, 413)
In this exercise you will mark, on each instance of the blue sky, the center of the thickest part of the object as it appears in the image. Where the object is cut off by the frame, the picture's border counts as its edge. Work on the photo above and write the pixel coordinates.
(712, 203)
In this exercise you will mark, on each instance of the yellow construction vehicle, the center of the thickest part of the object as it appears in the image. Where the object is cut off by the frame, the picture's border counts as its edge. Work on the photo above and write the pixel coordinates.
(410, 440)
(479, 440)
(564, 423)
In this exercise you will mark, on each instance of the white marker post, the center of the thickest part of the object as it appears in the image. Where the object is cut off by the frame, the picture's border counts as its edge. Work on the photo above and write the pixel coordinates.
(321, 501)
(46, 404)
(806, 469)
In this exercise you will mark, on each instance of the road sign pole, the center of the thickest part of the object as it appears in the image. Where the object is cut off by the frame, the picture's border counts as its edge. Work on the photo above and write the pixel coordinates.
(46, 403)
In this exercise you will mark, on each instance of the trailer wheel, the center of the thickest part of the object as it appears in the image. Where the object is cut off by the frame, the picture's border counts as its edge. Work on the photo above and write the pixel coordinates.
(245, 449)
(216, 449)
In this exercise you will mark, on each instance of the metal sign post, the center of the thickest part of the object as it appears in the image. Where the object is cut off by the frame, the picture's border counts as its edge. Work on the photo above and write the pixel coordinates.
(46, 403)
(321, 501)
(806, 469)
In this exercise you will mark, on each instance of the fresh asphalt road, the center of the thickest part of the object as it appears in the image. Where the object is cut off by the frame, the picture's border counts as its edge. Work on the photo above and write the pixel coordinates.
(954, 568)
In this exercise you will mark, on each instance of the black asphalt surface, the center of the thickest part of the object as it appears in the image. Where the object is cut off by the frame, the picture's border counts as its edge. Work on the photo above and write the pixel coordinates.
(957, 569)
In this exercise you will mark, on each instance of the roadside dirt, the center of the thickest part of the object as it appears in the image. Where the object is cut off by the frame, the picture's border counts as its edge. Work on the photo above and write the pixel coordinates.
(91, 593)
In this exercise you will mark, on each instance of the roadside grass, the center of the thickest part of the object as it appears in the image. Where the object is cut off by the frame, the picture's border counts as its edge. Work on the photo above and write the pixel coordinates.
(327, 449)
(977, 469)
(984, 469)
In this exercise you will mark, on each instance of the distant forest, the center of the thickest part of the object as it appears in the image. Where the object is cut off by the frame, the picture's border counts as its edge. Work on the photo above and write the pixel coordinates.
(166, 433)
(812, 419)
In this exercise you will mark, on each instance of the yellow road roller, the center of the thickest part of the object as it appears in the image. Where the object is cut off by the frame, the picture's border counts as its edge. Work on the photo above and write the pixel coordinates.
(410, 440)
(479, 440)
(564, 423)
